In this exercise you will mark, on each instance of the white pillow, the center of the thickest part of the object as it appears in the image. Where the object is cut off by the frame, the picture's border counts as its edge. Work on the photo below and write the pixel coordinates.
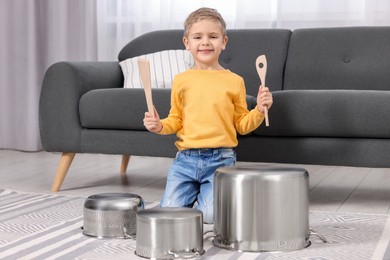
(164, 66)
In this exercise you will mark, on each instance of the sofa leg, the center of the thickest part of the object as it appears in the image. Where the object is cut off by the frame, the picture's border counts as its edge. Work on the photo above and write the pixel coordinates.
(125, 162)
(63, 167)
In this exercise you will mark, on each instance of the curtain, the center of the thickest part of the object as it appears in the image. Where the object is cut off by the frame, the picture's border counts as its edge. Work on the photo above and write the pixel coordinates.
(120, 21)
(33, 35)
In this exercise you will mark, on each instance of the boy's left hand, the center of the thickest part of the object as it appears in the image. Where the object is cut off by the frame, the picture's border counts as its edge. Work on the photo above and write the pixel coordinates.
(264, 99)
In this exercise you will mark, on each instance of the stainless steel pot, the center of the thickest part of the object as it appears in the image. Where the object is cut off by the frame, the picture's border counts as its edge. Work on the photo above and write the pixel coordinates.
(111, 215)
(168, 233)
(261, 208)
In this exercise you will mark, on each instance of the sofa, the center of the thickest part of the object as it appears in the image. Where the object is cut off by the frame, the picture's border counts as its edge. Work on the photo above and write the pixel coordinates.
(331, 90)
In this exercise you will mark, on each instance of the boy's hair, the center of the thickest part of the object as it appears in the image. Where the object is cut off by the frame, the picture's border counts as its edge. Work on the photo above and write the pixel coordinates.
(202, 14)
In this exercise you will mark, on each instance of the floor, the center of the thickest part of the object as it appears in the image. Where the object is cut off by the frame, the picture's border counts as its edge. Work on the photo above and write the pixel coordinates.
(332, 188)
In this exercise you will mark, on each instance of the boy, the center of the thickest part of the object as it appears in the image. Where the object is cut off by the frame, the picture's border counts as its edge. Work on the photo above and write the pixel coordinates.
(208, 108)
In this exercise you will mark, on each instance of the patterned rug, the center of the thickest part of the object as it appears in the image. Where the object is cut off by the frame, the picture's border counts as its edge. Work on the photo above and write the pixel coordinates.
(46, 226)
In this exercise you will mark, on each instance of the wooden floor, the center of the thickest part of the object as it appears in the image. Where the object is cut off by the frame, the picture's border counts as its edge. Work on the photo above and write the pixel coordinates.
(332, 188)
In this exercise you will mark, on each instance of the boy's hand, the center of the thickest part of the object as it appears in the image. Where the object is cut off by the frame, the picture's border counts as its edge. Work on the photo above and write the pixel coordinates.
(264, 99)
(152, 122)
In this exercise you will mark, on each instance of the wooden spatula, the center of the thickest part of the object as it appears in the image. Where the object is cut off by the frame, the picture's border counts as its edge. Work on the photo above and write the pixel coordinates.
(261, 67)
(144, 71)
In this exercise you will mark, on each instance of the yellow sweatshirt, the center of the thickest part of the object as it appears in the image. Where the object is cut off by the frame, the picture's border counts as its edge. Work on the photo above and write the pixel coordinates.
(208, 108)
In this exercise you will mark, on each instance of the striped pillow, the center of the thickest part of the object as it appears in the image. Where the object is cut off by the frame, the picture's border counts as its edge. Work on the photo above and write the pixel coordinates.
(164, 65)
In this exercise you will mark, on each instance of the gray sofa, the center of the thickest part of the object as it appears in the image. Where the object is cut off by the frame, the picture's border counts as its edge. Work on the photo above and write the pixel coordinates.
(330, 88)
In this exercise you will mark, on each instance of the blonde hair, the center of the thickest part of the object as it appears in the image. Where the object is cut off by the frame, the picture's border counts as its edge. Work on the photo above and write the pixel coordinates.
(202, 14)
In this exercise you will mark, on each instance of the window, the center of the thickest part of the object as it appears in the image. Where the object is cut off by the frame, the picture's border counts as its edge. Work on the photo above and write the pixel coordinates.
(120, 21)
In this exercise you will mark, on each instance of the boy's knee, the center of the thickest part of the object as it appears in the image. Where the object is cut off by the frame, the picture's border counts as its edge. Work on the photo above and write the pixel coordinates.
(208, 218)
(168, 202)
(208, 214)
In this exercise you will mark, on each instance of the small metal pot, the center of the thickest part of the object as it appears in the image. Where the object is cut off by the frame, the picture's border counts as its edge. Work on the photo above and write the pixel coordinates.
(168, 233)
(261, 208)
(111, 215)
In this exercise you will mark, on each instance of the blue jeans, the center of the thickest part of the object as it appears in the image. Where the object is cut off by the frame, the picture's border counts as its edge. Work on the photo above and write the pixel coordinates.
(191, 179)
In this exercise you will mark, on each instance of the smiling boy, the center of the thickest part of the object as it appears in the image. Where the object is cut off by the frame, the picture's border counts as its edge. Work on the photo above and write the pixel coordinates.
(208, 109)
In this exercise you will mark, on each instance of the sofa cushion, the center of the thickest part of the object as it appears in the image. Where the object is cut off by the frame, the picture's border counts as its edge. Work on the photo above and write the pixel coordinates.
(124, 109)
(164, 66)
(120, 108)
(339, 58)
(329, 113)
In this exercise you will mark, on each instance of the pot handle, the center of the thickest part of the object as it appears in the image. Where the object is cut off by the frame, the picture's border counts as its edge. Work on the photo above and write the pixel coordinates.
(209, 236)
(315, 232)
(185, 255)
(127, 236)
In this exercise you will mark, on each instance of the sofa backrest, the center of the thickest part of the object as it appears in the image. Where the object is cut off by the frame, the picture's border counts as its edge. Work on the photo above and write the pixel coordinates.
(243, 47)
(339, 58)
(152, 42)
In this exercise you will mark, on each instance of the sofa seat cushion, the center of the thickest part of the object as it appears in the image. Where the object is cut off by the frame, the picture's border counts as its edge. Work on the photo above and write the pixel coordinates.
(329, 113)
(121, 108)
(124, 108)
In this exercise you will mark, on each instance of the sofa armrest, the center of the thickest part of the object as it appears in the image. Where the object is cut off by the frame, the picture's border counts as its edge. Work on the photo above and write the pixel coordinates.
(63, 85)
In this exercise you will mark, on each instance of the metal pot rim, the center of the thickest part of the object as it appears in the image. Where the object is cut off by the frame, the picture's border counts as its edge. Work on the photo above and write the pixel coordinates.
(113, 201)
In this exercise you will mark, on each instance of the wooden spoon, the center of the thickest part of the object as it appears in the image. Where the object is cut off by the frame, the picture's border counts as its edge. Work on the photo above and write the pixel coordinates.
(144, 71)
(261, 67)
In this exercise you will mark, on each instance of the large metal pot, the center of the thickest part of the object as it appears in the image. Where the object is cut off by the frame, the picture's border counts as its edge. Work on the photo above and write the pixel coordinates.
(111, 215)
(261, 208)
(168, 233)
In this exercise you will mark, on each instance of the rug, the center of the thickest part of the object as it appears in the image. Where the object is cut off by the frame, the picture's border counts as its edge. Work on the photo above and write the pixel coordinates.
(47, 226)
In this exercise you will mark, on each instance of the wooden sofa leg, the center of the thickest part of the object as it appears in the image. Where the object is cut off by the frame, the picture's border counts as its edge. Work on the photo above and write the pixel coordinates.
(63, 167)
(125, 162)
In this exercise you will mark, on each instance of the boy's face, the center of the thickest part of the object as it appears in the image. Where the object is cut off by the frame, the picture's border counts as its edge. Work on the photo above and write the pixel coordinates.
(205, 41)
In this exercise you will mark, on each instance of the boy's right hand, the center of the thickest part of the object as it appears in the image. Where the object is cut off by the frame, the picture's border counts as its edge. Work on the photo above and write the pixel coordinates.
(152, 122)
